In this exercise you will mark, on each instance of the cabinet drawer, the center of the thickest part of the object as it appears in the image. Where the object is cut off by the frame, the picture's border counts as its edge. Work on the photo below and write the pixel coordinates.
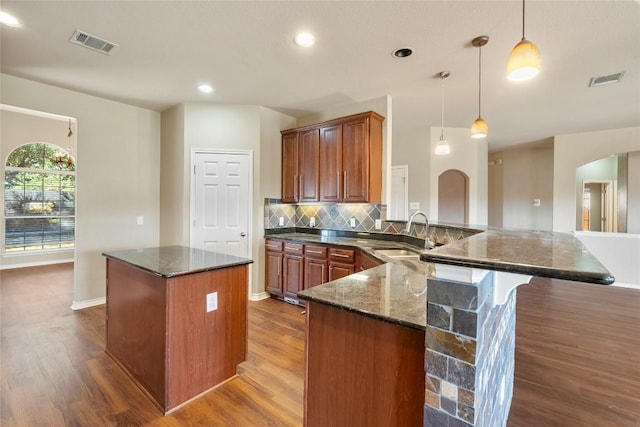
(273, 245)
(293, 248)
(315, 251)
(342, 255)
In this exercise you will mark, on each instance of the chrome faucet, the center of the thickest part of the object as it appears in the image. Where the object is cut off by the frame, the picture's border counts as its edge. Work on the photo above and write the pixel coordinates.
(427, 243)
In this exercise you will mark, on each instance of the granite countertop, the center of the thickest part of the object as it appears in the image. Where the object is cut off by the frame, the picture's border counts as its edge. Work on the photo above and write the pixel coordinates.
(172, 261)
(536, 253)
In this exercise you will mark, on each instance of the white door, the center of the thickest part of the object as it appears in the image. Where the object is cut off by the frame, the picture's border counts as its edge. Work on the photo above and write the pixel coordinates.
(220, 208)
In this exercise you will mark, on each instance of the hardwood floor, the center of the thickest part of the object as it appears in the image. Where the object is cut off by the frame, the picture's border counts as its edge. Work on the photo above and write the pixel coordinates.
(577, 361)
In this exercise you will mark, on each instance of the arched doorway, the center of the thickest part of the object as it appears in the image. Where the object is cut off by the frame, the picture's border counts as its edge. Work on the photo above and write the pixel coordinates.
(453, 197)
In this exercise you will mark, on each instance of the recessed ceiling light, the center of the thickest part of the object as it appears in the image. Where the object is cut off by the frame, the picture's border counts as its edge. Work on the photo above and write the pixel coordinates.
(402, 52)
(205, 88)
(9, 20)
(305, 39)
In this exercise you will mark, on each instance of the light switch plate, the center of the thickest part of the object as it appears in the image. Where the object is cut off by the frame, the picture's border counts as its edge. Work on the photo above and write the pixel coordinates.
(312, 221)
(352, 222)
(140, 220)
(536, 202)
(281, 221)
(378, 224)
(414, 205)
(212, 301)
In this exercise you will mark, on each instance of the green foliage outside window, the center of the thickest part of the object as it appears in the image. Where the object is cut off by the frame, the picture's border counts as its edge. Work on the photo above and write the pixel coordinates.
(39, 202)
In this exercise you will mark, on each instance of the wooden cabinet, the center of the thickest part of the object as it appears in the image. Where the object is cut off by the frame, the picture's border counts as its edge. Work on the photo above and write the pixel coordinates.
(342, 263)
(308, 165)
(335, 161)
(331, 163)
(362, 159)
(316, 266)
(368, 261)
(290, 167)
(273, 266)
(293, 269)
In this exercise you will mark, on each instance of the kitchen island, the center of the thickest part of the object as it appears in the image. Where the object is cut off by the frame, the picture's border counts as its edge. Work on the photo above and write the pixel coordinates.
(461, 346)
(176, 319)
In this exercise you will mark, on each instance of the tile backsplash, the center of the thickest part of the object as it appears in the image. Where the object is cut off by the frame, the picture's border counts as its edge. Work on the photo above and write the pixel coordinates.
(337, 216)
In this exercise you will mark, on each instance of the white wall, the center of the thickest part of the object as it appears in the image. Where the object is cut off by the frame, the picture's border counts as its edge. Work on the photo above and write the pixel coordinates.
(412, 148)
(382, 106)
(117, 174)
(469, 156)
(574, 150)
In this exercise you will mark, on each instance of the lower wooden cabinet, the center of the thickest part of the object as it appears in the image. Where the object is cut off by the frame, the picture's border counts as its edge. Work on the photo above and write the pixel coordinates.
(291, 267)
(273, 266)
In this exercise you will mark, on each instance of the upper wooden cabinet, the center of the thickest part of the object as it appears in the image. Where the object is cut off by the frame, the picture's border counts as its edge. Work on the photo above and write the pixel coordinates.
(335, 161)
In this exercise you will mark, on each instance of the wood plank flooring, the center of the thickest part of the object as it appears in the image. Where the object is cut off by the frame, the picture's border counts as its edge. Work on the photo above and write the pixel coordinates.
(577, 361)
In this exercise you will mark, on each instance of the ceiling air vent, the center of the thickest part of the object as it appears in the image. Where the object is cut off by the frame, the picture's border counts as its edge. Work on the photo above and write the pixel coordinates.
(605, 80)
(92, 42)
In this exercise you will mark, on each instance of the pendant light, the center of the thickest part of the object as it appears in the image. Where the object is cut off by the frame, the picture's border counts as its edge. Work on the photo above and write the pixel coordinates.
(443, 146)
(524, 61)
(479, 129)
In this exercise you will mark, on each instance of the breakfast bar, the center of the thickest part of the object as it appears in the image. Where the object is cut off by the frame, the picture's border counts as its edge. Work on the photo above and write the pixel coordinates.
(176, 319)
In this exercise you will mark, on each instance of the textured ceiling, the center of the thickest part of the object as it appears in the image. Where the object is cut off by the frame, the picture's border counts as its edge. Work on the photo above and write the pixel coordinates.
(245, 50)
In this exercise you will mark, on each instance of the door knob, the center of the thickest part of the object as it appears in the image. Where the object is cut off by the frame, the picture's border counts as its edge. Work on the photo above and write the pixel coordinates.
(242, 234)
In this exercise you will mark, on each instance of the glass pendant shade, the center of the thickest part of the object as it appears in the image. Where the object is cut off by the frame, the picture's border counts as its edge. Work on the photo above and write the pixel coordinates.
(443, 147)
(479, 129)
(524, 61)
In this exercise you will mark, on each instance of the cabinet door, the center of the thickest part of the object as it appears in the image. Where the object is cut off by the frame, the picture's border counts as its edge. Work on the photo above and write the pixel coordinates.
(367, 261)
(315, 272)
(339, 270)
(290, 189)
(355, 160)
(293, 275)
(273, 272)
(331, 163)
(309, 165)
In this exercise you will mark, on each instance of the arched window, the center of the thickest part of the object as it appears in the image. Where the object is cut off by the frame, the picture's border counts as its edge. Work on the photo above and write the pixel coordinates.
(39, 199)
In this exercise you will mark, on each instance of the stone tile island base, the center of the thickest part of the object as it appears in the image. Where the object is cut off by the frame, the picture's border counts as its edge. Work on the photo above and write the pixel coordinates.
(470, 346)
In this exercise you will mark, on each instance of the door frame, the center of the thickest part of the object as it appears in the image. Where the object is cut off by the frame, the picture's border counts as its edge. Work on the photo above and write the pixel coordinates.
(192, 190)
(608, 203)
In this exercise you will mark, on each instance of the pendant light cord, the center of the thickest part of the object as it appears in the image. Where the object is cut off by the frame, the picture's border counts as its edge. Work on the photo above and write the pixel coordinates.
(479, 80)
(442, 109)
(522, 19)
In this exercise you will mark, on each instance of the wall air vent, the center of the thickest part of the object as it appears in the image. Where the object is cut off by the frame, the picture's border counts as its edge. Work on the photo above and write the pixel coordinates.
(92, 42)
(605, 80)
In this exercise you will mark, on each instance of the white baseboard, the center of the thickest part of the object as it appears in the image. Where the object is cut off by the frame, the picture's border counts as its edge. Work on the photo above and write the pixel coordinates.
(626, 285)
(259, 296)
(36, 264)
(79, 305)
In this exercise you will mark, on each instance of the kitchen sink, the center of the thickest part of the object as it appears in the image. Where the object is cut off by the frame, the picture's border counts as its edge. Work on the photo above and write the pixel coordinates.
(398, 253)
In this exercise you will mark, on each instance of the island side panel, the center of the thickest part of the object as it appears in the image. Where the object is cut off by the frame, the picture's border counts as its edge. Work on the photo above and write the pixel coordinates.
(205, 348)
(136, 307)
(361, 371)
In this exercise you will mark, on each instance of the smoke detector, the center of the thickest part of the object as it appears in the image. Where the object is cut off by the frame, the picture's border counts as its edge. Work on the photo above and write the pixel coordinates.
(605, 80)
(92, 42)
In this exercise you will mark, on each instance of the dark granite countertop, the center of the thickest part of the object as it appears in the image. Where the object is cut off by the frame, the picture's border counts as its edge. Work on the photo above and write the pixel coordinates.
(172, 261)
(536, 253)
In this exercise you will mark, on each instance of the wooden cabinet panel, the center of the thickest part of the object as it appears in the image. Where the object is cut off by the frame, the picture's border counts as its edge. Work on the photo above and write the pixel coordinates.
(309, 165)
(339, 270)
(331, 163)
(355, 154)
(273, 272)
(367, 261)
(289, 182)
(315, 272)
(292, 282)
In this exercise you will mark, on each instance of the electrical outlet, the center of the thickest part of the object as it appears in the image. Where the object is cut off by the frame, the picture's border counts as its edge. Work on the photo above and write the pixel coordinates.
(378, 224)
(312, 221)
(140, 220)
(414, 205)
(352, 222)
(212, 301)
(281, 221)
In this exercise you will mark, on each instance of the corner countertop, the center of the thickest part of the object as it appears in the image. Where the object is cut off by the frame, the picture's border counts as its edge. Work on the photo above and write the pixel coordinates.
(172, 261)
(535, 253)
